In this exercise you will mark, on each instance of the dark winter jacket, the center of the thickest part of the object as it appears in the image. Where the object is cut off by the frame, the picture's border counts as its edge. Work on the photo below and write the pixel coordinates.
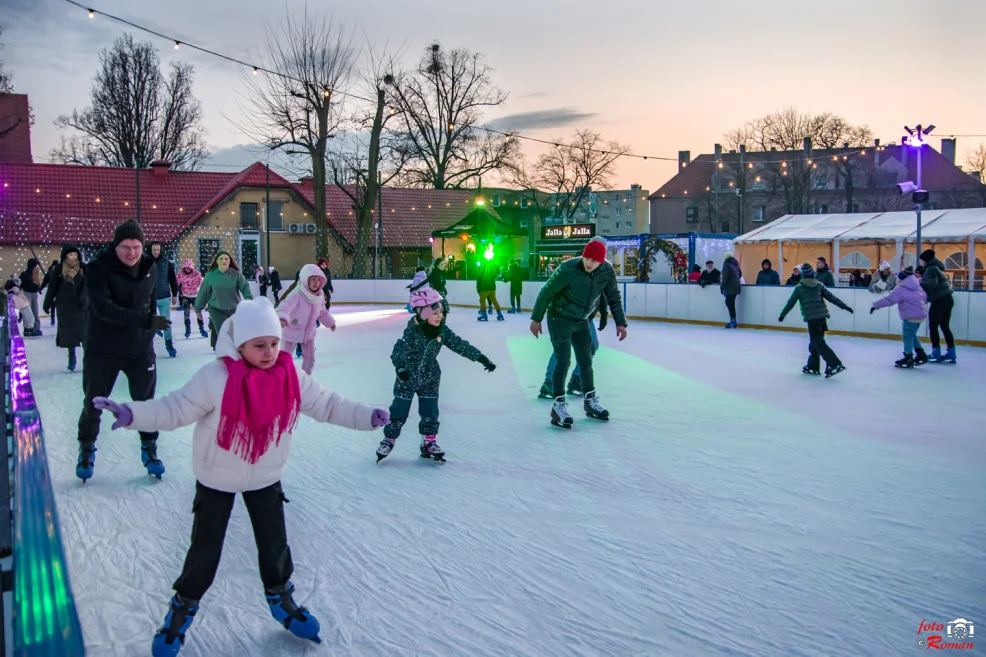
(416, 353)
(275, 280)
(486, 281)
(825, 277)
(327, 289)
(165, 283)
(68, 297)
(710, 277)
(573, 293)
(768, 276)
(27, 280)
(812, 295)
(436, 279)
(731, 275)
(516, 277)
(121, 307)
(934, 281)
(793, 279)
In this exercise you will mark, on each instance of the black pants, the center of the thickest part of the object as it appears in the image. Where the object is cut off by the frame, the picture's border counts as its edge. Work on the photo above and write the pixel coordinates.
(817, 347)
(731, 306)
(939, 315)
(427, 411)
(277, 297)
(212, 508)
(263, 290)
(567, 334)
(515, 291)
(99, 374)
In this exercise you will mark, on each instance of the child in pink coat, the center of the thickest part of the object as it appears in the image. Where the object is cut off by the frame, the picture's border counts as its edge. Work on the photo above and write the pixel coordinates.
(300, 308)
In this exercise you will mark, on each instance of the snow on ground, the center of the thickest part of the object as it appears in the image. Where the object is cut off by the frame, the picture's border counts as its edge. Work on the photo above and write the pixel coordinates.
(732, 506)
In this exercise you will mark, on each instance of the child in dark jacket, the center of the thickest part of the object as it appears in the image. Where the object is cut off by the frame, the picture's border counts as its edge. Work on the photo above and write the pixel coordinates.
(812, 295)
(415, 358)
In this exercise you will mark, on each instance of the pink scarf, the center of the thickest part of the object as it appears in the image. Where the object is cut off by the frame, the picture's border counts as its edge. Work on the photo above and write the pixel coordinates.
(259, 406)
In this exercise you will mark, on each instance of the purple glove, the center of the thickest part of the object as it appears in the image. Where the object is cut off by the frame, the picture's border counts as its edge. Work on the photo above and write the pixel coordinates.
(124, 416)
(380, 417)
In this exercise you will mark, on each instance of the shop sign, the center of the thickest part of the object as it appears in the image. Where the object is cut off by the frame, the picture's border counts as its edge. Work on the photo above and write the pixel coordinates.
(568, 231)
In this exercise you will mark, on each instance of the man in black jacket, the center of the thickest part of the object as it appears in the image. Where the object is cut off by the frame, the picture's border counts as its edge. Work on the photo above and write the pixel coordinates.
(569, 298)
(710, 276)
(119, 336)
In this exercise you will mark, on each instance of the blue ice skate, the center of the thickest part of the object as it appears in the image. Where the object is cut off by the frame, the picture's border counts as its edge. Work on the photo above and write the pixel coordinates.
(87, 461)
(170, 638)
(148, 456)
(297, 620)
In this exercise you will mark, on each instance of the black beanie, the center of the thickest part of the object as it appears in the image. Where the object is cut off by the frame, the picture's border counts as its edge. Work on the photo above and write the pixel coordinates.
(128, 230)
(928, 255)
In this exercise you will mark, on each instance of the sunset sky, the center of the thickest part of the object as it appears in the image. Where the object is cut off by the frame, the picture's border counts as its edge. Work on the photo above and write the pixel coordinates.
(659, 76)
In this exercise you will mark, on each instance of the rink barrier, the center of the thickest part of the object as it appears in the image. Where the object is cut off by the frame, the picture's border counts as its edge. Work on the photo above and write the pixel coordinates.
(758, 306)
(45, 621)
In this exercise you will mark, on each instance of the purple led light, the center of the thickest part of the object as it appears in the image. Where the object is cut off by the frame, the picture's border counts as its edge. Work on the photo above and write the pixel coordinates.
(21, 392)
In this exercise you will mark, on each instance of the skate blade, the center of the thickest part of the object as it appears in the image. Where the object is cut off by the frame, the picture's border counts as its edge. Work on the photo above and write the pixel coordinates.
(381, 457)
(601, 419)
(437, 458)
(563, 426)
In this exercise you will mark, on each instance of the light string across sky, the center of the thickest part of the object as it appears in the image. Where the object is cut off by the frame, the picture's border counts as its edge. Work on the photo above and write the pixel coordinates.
(257, 69)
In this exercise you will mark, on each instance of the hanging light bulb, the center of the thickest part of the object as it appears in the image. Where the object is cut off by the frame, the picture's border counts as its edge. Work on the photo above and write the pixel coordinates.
(255, 70)
(92, 14)
(177, 45)
(326, 93)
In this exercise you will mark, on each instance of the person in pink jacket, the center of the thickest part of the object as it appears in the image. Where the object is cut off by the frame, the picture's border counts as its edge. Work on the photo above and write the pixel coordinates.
(300, 307)
(245, 405)
(909, 298)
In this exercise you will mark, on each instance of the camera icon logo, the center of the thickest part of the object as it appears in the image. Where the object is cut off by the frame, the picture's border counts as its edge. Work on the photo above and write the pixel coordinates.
(960, 629)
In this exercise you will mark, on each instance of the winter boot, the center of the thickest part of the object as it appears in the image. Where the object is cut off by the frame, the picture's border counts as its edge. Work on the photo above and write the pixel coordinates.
(546, 391)
(202, 330)
(188, 328)
(386, 446)
(170, 347)
(949, 357)
(148, 456)
(731, 324)
(906, 362)
(511, 311)
(575, 386)
(297, 620)
(559, 414)
(171, 637)
(87, 461)
(483, 317)
(499, 316)
(920, 356)
(430, 449)
(593, 408)
(832, 370)
(71, 360)
(935, 355)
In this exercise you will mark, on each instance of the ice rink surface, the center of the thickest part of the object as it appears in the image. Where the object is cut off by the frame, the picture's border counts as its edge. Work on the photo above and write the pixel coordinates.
(732, 506)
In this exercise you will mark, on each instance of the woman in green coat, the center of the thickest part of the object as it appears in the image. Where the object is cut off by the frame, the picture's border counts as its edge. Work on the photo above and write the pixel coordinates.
(223, 287)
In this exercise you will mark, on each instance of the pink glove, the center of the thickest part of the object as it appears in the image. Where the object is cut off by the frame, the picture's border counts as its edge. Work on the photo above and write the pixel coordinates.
(380, 417)
(124, 416)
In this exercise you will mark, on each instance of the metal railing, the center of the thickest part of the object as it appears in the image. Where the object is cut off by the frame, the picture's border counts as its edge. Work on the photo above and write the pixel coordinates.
(43, 613)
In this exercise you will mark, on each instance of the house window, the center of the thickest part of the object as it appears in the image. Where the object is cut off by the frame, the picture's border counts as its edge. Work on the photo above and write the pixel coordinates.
(758, 184)
(619, 212)
(525, 203)
(854, 208)
(759, 213)
(248, 216)
(691, 214)
(207, 252)
(724, 227)
(276, 219)
(497, 200)
(958, 265)
(820, 182)
(821, 208)
(523, 223)
(850, 261)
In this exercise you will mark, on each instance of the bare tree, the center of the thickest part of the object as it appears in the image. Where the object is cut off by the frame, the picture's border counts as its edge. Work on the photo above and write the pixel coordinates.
(975, 162)
(136, 115)
(299, 107)
(368, 158)
(439, 106)
(6, 77)
(570, 172)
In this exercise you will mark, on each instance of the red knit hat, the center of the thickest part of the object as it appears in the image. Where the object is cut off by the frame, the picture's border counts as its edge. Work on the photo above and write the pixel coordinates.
(595, 250)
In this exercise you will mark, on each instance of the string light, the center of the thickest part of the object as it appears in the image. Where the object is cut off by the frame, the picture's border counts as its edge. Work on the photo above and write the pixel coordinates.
(177, 45)
(92, 14)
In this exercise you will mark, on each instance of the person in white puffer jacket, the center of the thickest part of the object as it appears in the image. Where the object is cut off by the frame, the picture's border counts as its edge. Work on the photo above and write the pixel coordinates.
(244, 406)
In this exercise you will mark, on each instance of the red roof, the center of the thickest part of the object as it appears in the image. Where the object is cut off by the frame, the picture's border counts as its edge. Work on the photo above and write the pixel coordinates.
(15, 126)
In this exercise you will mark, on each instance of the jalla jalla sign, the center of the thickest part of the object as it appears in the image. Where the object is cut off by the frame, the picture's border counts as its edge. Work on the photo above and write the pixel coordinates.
(571, 231)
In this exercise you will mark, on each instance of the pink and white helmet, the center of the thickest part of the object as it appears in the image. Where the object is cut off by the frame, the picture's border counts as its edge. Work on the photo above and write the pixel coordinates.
(427, 300)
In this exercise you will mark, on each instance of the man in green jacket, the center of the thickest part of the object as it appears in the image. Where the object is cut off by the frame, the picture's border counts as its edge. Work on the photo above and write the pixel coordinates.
(569, 298)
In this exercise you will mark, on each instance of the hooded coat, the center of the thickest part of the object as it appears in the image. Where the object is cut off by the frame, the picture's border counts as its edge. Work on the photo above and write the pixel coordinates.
(731, 276)
(812, 296)
(300, 308)
(909, 299)
(68, 297)
(189, 281)
(933, 280)
(768, 276)
(880, 283)
(27, 279)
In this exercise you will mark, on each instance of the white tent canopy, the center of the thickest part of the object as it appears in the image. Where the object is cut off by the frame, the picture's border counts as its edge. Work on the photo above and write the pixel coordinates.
(956, 225)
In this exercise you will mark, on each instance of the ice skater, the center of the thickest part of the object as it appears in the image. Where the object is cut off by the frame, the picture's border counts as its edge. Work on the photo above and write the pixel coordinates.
(486, 288)
(909, 298)
(165, 292)
(302, 307)
(244, 405)
(939, 292)
(415, 358)
(569, 298)
(67, 294)
(731, 286)
(812, 295)
(189, 283)
(222, 289)
(23, 306)
(574, 387)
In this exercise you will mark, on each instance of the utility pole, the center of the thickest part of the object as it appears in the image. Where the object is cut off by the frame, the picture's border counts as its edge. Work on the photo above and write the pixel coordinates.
(741, 185)
(137, 175)
(380, 250)
(267, 211)
(919, 196)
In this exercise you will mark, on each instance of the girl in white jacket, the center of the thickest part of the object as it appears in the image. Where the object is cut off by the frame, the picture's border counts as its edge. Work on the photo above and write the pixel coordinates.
(244, 405)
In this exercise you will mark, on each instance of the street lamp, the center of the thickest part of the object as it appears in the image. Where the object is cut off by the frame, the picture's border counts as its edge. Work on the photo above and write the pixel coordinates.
(915, 139)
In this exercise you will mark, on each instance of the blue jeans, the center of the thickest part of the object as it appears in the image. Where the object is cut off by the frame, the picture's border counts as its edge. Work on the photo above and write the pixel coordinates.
(554, 361)
(909, 331)
(164, 309)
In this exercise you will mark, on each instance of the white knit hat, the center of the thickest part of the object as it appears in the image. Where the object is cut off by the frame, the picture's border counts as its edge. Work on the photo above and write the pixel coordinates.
(254, 318)
(884, 265)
